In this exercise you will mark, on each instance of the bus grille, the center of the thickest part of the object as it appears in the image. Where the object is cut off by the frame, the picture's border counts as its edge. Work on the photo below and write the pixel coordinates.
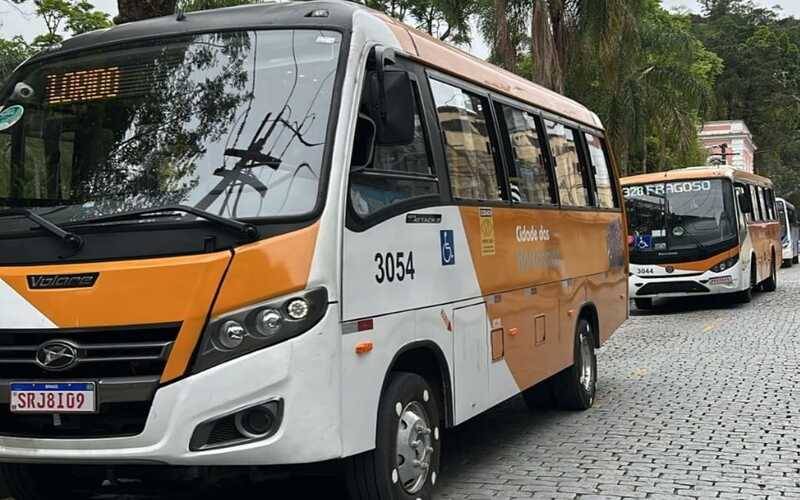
(672, 287)
(103, 353)
(125, 363)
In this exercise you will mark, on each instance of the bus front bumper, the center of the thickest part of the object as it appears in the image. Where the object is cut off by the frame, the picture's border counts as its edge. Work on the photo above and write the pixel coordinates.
(687, 285)
(301, 373)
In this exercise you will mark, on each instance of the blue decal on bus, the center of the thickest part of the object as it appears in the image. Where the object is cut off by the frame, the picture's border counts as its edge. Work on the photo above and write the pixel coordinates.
(448, 247)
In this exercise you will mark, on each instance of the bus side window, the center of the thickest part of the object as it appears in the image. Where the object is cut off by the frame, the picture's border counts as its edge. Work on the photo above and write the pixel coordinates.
(395, 174)
(465, 119)
(771, 204)
(756, 204)
(571, 176)
(530, 178)
(744, 218)
(763, 204)
(603, 182)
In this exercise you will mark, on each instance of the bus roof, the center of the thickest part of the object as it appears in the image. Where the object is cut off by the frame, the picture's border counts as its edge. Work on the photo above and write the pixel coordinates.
(338, 15)
(693, 173)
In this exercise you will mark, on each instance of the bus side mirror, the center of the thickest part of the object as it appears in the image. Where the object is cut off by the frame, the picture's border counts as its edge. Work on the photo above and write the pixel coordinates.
(390, 98)
(745, 203)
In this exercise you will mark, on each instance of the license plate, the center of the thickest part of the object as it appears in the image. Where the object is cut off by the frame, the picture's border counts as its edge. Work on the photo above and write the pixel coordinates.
(37, 397)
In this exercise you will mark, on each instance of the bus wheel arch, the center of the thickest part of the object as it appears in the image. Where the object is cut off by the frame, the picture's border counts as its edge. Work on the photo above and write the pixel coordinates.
(405, 462)
(426, 359)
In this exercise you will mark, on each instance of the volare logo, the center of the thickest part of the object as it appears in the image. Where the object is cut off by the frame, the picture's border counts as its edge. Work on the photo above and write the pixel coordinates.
(54, 281)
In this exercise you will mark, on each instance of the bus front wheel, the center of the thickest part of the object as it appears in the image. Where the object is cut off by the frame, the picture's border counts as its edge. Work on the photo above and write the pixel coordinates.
(575, 387)
(405, 463)
(643, 304)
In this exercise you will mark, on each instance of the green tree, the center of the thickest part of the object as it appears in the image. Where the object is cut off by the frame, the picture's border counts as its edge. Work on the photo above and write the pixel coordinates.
(12, 53)
(760, 83)
(448, 20)
(654, 100)
(76, 17)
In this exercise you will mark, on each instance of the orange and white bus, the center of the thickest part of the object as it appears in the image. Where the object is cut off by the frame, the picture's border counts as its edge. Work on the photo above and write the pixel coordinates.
(701, 231)
(287, 234)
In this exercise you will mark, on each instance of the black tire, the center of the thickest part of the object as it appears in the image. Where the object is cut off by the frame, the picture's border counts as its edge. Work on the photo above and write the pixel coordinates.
(376, 475)
(796, 259)
(575, 388)
(47, 482)
(787, 263)
(746, 296)
(540, 396)
(643, 304)
(771, 283)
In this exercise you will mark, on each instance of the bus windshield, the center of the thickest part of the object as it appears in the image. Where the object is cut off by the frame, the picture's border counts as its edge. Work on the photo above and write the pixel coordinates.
(668, 218)
(231, 123)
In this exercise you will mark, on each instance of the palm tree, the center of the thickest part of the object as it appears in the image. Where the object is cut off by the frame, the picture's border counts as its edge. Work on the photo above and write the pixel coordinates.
(560, 27)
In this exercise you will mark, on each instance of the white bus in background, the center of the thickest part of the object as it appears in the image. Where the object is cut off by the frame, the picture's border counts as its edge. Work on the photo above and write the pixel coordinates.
(790, 232)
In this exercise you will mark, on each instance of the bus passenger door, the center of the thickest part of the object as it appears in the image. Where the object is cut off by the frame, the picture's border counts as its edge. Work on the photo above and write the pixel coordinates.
(470, 361)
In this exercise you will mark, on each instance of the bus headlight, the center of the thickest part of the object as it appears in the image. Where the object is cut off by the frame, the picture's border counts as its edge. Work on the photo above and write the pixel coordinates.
(256, 327)
(725, 264)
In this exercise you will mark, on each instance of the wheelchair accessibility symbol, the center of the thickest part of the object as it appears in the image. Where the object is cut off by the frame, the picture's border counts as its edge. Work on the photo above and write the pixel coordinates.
(448, 247)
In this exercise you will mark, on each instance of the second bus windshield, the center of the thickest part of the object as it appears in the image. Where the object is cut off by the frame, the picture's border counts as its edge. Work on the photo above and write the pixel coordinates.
(685, 215)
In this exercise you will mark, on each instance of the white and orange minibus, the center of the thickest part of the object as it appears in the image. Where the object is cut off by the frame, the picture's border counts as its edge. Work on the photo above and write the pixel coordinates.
(701, 231)
(288, 234)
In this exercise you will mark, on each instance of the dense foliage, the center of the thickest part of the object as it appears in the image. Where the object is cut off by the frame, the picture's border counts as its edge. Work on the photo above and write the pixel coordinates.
(653, 75)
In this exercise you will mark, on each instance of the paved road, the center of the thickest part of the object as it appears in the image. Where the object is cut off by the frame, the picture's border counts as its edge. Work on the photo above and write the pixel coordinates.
(698, 399)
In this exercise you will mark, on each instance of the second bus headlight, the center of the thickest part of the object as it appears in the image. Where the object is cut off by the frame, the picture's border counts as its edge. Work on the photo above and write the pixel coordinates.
(725, 264)
(262, 325)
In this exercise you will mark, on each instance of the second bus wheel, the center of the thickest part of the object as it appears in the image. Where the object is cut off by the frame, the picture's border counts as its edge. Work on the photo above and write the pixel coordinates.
(576, 386)
(771, 283)
(49, 482)
(405, 463)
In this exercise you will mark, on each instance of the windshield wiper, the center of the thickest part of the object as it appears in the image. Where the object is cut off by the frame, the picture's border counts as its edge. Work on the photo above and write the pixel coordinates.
(70, 239)
(248, 230)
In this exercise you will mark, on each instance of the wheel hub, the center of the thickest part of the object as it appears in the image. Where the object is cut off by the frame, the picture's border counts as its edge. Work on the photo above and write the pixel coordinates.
(414, 447)
(587, 367)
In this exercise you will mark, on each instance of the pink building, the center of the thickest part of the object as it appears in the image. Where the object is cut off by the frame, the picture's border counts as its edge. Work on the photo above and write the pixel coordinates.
(731, 142)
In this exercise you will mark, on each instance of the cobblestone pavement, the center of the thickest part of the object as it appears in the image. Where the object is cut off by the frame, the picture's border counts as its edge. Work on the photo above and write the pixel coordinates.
(698, 399)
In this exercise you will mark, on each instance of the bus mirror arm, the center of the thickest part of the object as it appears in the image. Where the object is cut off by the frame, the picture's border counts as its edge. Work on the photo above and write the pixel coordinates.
(390, 99)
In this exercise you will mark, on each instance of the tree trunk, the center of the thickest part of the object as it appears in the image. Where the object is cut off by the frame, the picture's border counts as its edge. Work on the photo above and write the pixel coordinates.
(505, 51)
(135, 10)
(547, 63)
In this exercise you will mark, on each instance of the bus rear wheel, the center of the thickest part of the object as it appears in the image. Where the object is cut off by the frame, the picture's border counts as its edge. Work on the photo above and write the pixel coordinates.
(48, 482)
(405, 463)
(796, 259)
(575, 387)
(771, 283)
